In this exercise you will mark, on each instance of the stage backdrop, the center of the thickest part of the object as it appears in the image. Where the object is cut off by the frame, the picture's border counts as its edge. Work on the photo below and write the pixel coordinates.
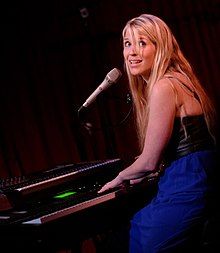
(53, 56)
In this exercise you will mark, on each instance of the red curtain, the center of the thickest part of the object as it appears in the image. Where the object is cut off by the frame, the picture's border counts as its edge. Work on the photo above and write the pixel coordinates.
(56, 53)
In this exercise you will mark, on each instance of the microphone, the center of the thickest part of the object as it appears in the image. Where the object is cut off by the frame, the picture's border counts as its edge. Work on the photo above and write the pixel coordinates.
(112, 77)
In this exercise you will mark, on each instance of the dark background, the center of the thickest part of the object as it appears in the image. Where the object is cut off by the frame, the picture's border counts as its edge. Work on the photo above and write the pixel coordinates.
(55, 53)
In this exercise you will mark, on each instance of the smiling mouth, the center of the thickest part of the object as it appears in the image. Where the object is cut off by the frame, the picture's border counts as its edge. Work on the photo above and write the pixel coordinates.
(135, 61)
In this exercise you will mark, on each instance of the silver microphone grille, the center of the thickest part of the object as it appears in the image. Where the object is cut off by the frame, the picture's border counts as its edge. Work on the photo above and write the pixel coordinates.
(114, 75)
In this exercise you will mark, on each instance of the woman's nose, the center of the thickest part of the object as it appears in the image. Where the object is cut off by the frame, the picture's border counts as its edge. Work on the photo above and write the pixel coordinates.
(133, 50)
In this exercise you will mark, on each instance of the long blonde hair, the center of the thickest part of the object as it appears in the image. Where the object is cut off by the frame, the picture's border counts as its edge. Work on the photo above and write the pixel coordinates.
(168, 58)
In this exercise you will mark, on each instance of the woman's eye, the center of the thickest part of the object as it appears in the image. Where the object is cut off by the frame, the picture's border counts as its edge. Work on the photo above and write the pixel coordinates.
(127, 44)
(142, 43)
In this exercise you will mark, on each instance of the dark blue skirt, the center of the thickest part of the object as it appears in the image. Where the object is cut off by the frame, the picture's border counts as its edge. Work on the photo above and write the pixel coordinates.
(168, 220)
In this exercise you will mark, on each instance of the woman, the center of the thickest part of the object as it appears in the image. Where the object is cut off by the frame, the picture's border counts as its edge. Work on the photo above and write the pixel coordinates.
(175, 123)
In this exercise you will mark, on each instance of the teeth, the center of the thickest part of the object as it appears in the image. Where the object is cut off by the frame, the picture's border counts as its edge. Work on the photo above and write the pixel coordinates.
(133, 61)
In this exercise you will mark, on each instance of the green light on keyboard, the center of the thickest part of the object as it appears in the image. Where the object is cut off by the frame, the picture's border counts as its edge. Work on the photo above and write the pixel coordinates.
(64, 195)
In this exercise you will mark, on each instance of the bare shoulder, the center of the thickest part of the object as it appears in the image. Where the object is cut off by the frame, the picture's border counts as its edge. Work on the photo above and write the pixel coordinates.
(163, 87)
(163, 96)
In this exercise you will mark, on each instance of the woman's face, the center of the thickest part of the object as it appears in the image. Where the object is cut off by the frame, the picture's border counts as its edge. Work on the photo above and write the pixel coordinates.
(139, 53)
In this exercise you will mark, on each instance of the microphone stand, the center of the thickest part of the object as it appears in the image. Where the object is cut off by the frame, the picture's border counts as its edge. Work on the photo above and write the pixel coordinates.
(107, 131)
(88, 125)
(97, 64)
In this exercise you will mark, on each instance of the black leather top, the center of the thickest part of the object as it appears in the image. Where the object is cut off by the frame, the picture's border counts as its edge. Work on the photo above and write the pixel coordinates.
(190, 134)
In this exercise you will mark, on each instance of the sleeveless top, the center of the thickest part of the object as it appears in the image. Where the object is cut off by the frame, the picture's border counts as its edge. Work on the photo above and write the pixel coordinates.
(190, 134)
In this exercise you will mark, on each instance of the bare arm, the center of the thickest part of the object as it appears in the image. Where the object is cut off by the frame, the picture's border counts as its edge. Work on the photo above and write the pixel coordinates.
(161, 117)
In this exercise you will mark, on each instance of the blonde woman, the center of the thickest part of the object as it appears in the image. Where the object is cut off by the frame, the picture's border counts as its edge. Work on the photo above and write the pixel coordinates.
(175, 126)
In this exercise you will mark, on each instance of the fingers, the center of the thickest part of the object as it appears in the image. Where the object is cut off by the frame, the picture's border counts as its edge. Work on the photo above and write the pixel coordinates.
(150, 176)
(135, 181)
(154, 174)
(112, 184)
(104, 188)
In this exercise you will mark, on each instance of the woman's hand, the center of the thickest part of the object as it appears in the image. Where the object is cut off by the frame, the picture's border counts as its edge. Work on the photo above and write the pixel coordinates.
(116, 182)
(151, 176)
